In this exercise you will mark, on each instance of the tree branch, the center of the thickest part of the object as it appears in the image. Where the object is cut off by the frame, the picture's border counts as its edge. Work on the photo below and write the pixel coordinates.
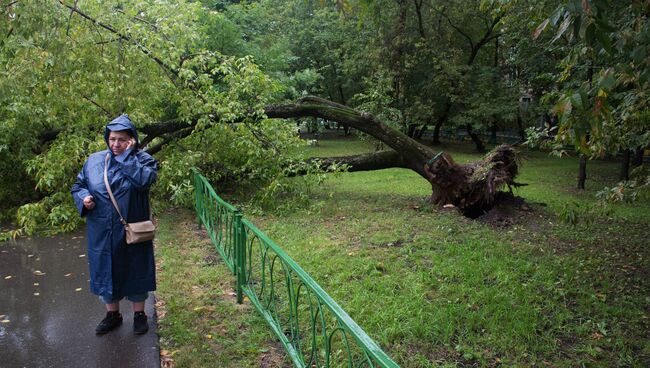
(458, 29)
(106, 112)
(10, 4)
(158, 129)
(170, 137)
(67, 29)
(168, 69)
(155, 27)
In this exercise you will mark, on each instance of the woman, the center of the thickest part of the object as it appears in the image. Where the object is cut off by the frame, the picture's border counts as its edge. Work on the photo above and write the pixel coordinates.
(118, 270)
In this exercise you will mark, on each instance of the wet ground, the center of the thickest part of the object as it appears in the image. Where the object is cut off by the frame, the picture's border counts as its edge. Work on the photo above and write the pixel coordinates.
(48, 316)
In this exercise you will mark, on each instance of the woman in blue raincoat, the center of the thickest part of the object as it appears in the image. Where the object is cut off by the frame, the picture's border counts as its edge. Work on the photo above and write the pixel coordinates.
(118, 270)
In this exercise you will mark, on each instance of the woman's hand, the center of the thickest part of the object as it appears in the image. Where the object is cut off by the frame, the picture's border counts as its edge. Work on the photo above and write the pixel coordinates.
(131, 143)
(89, 202)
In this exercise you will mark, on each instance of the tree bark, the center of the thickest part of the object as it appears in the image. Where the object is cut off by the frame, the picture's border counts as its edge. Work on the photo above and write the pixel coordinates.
(470, 187)
(638, 157)
(520, 128)
(441, 121)
(625, 165)
(480, 147)
(418, 12)
(582, 172)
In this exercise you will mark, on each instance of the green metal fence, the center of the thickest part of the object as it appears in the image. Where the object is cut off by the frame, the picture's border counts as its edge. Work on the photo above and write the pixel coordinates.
(219, 217)
(314, 329)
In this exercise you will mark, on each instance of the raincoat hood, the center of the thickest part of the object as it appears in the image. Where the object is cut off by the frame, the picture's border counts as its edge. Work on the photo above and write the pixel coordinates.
(122, 122)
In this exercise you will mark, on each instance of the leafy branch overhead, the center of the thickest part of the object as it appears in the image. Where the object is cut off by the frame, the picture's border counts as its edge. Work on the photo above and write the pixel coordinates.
(223, 86)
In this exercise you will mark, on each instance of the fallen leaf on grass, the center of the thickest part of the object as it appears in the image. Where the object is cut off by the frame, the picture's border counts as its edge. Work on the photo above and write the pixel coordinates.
(597, 336)
(208, 336)
(39, 273)
(166, 362)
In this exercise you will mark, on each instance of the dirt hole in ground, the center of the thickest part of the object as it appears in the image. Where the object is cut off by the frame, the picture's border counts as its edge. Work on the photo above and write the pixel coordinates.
(507, 211)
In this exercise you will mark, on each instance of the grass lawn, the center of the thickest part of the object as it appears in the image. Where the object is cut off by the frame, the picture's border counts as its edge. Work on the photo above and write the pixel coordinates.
(431, 287)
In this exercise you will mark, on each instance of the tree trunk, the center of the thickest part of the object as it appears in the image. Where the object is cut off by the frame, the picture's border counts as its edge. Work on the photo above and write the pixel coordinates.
(418, 12)
(411, 130)
(421, 131)
(470, 187)
(520, 128)
(493, 133)
(480, 147)
(441, 121)
(625, 165)
(582, 172)
(638, 157)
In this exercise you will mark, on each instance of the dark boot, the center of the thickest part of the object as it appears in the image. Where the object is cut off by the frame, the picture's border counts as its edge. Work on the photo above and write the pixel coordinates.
(110, 322)
(140, 325)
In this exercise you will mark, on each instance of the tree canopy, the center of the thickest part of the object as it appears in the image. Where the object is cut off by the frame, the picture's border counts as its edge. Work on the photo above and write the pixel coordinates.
(200, 80)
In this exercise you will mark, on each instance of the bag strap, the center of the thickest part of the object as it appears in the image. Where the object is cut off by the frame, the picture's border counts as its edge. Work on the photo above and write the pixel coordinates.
(108, 188)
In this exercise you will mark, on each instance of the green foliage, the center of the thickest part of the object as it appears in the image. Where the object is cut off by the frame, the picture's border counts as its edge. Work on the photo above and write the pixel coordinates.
(631, 190)
(487, 100)
(158, 61)
(603, 99)
(377, 100)
(574, 212)
(53, 214)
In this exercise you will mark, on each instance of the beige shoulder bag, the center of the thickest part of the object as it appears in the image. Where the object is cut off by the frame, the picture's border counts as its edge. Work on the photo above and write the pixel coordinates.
(136, 232)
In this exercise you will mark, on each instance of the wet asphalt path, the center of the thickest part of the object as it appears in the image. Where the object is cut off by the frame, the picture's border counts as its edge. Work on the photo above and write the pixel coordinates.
(48, 316)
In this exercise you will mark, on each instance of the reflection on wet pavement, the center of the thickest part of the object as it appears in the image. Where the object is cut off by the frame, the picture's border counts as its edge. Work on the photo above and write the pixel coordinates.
(48, 315)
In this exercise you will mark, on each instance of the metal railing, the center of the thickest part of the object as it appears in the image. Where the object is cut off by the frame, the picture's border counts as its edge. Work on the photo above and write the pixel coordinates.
(314, 329)
(219, 217)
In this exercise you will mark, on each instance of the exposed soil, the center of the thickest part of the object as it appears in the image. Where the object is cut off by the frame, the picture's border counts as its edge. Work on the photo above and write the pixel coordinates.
(274, 356)
(509, 210)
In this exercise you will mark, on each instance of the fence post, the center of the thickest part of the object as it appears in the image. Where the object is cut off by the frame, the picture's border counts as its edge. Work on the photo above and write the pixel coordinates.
(240, 255)
(198, 200)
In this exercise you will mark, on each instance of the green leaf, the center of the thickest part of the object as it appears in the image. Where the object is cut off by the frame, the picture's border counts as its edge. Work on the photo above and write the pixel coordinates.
(576, 100)
(607, 80)
(590, 34)
(639, 54)
(605, 41)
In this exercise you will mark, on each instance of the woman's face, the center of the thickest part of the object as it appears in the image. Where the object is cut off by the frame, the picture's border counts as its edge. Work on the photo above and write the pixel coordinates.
(118, 142)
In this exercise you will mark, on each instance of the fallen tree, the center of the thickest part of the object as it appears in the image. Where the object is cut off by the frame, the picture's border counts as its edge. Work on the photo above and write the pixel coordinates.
(471, 187)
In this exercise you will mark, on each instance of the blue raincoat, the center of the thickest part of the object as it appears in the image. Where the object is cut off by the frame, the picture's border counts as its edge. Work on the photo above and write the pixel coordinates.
(117, 269)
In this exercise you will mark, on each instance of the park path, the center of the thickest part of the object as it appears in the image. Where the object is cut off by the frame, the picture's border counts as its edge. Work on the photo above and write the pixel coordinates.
(48, 315)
